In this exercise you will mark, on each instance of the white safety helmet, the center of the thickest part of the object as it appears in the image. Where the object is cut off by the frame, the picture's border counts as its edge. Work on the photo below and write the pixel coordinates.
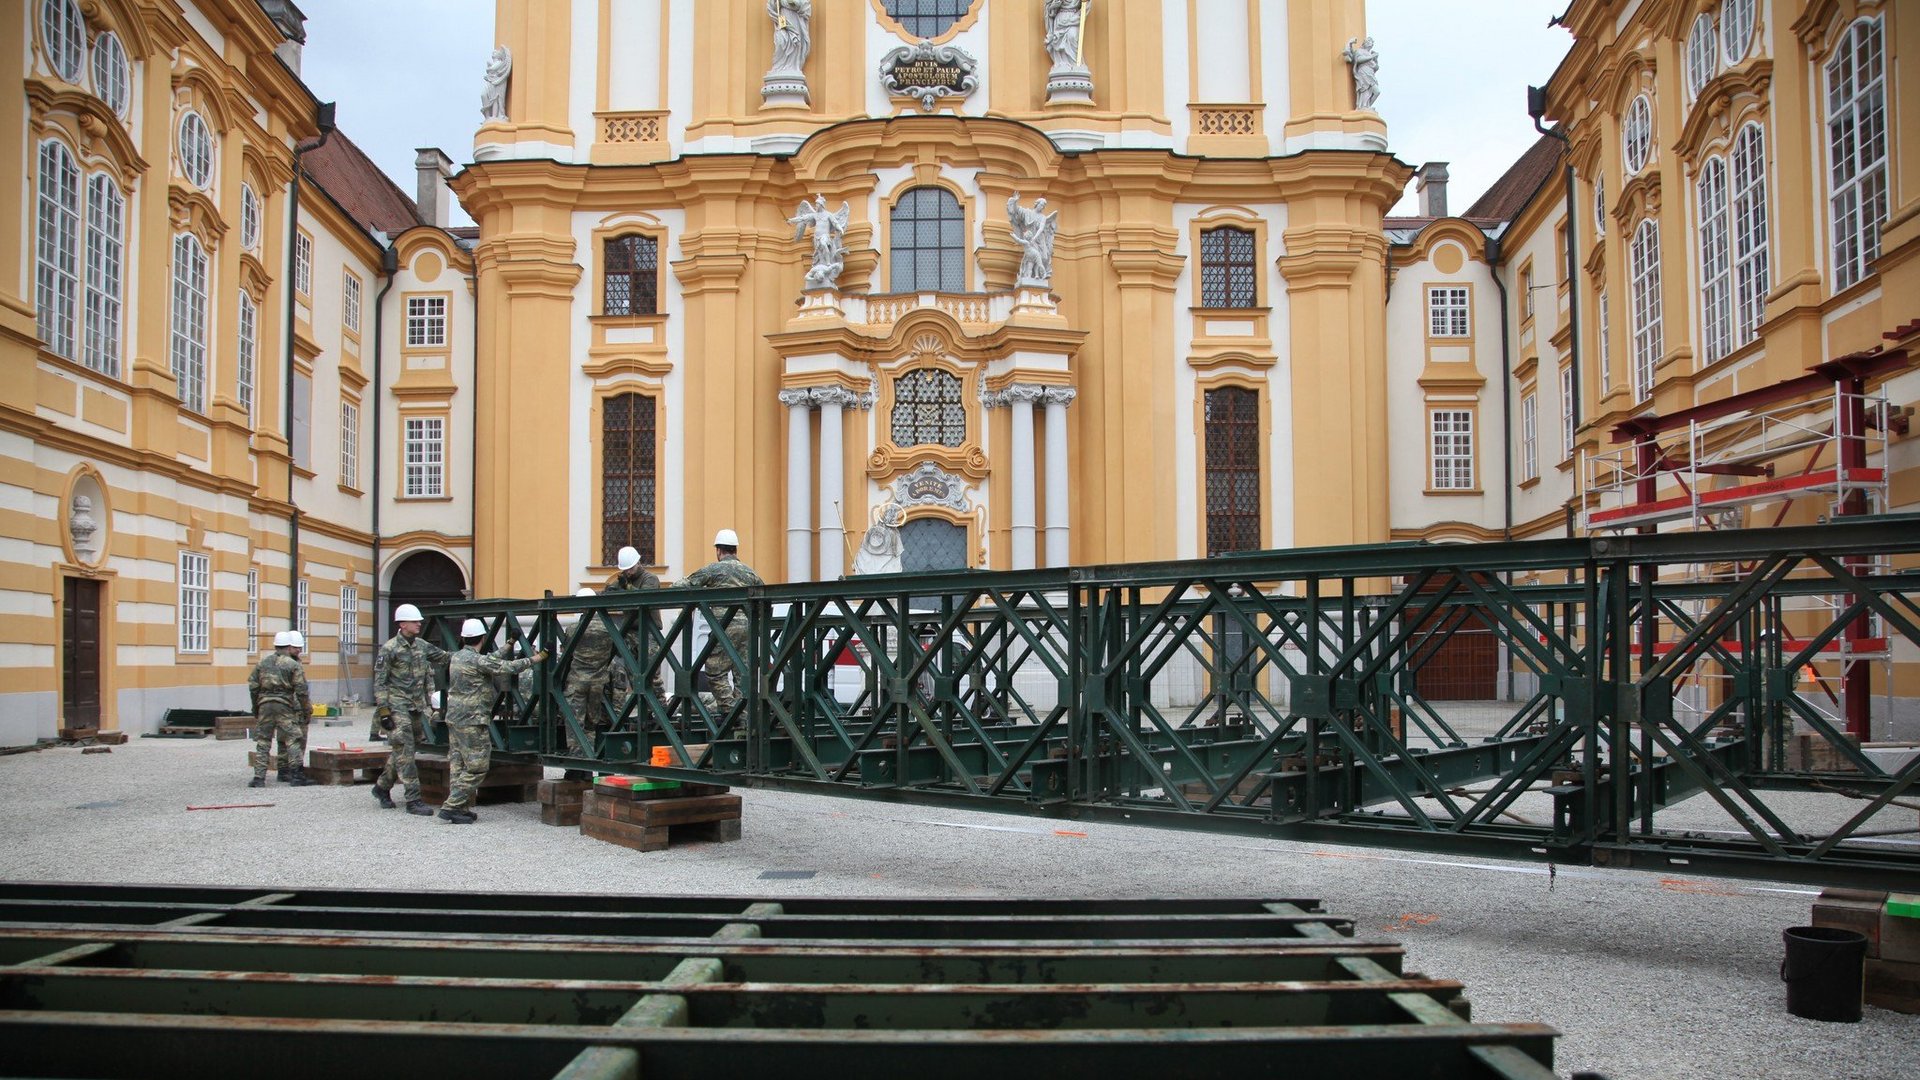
(473, 628)
(281, 639)
(726, 538)
(296, 639)
(629, 558)
(590, 592)
(433, 699)
(406, 613)
(572, 617)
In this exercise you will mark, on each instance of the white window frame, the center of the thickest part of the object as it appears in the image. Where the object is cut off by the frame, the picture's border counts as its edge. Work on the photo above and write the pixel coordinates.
(1567, 431)
(195, 615)
(248, 356)
(189, 322)
(249, 218)
(1736, 29)
(1857, 162)
(1449, 311)
(1529, 439)
(303, 607)
(302, 263)
(253, 611)
(426, 322)
(350, 444)
(300, 439)
(57, 248)
(1600, 205)
(63, 33)
(1450, 442)
(1702, 54)
(350, 300)
(349, 617)
(1716, 262)
(1526, 294)
(106, 267)
(1644, 285)
(196, 146)
(423, 457)
(112, 74)
(1751, 273)
(1636, 135)
(1606, 357)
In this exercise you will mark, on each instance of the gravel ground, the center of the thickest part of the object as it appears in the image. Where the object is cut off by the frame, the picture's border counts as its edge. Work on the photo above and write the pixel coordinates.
(1648, 978)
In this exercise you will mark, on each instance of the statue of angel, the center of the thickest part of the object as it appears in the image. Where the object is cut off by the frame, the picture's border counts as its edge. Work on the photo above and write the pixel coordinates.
(829, 239)
(792, 34)
(493, 99)
(1033, 230)
(1366, 72)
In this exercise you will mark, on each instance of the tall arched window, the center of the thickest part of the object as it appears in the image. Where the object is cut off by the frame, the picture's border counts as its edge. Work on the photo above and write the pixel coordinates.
(189, 338)
(1857, 149)
(927, 18)
(106, 210)
(57, 250)
(928, 234)
(249, 346)
(1716, 276)
(1644, 285)
(927, 409)
(1232, 439)
(1750, 279)
(629, 477)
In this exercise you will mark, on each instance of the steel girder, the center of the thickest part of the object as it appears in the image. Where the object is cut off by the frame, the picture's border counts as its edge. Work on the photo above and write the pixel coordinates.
(1277, 692)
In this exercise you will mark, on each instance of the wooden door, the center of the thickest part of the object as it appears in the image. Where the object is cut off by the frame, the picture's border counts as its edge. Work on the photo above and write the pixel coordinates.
(80, 652)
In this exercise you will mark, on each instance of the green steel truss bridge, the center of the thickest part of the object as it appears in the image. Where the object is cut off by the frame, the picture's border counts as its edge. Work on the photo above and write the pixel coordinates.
(1274, 694)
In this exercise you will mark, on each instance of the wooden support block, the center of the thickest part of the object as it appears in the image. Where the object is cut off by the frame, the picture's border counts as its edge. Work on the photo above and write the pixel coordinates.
(566, 815)
(637, 837)
(562, 792)
(1893, 984)
(682, 791)
(1899, 938)
(111, 738)
(713, 832)
(1843, 909)
(662, 812)
(232, 727)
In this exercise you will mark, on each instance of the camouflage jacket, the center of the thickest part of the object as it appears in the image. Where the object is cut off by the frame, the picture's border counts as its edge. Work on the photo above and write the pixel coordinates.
(727, 573)
(403, 673)
(641, 579)
(278, 680)
(470, 685)
(593, 655)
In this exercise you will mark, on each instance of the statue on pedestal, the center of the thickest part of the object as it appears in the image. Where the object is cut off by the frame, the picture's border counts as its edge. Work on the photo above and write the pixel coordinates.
(881, 546)
(1064, 18)
(785, 83)
(829, 240)
(1033, 230)
(493, 99)
(1366, 72)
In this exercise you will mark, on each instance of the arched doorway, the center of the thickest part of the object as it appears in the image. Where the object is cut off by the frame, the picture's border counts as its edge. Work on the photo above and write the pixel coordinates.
(421, 579)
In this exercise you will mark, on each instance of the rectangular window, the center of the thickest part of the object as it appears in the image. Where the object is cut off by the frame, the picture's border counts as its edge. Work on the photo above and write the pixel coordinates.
(1566, 411)
(1529, 440)
(423, 451)
(1644, 284)
(300, 439)
(189, 337)
(1228, 268)
(302, 264)
(253, 611)
(426, 321)
(1447, 311)
(1857, 150)
(1232, 435)
(1606, 349)
(349, 617)
(350, 301)
(1452, 449)
(350, 444)
(248, 354)
(1750, 280)
(1526, 294)
(632, 282)
(302, 608)
(1716, 282)
(196, 601)
(629, 476)
(105, 211)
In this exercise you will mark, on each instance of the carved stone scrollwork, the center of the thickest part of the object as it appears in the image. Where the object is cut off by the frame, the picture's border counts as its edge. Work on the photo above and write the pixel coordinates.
(930, 485)
(796, 396)
(929, 72)
(1060, 395)
(834, 395)
(1027, 392)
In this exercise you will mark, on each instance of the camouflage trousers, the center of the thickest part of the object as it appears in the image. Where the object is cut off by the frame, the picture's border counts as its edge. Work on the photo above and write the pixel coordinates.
(469, 755)
(721, 671)
(278, 720)
(400, 764)
(620, 684)
(587, 699)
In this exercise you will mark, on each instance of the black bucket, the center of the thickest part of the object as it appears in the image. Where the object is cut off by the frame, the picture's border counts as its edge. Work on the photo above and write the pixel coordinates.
(1825, 973)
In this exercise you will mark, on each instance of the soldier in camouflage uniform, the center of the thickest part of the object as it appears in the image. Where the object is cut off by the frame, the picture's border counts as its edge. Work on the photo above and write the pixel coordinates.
(278, 690)
(632, 578)
(725, 572)
(402, 679)
(470, 696)
(587, 679)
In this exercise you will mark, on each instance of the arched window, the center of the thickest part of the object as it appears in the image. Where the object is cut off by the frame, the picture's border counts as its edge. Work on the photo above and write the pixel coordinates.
(1636, 137)
(1716, 273)
(196, 150)
(927, 409)
(110, 77)
(632, 276)
(1600, 204)
(1750, 279)
(249, 219)
(1644, 284)
(1703, 54)
(189, 338)
(1233, 470)
(927, 233)
(64, 36)
(106, 253)
(1228, 268)
(249, 352)
(1857, 149)
(57, 248)
(1736, 28)
(629, 477)
(927, 18)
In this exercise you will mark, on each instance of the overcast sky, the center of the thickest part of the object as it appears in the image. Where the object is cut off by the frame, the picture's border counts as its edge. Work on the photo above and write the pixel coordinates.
(1453, 78)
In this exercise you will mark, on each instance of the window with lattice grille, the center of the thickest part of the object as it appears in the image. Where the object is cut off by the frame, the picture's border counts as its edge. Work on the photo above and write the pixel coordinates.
(1857, 150)
(632, 282)
(629, 477)
(927, 409)
(1227, 268)
(927, 238)
(1233, 470)
(927, 18)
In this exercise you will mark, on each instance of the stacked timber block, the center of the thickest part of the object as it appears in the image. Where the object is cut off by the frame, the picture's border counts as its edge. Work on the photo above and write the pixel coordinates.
(1808, 752)
(505, 782)
(1891, 924)
(233, 727)
(560, 801)
(345, 764)
(645, 815)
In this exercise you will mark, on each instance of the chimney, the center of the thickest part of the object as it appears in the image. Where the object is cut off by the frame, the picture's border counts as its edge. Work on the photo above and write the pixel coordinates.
(1430, 187)
(433, 197)
(292, 24)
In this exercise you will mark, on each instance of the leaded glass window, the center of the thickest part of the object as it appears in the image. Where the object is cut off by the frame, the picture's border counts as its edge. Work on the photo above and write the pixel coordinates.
(1716, 279)
(1233, 470)
(57, 266)
(1750, 278)
(1227, 268)
(927, 233)
(1857, 150)
(629, 477)
(927, 18)
(927, 409)
(632, 285)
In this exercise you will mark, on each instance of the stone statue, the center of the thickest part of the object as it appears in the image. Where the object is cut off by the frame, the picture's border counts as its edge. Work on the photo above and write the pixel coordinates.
(1366, 72)
(1034, 230)
(1063, 32)
(792, 35)
(493, 99)
(82, 527)
(829, 240)
(880, 548)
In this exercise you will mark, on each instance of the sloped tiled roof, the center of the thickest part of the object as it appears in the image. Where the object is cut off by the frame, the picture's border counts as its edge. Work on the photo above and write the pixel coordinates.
(351, 178)
(1517, 186)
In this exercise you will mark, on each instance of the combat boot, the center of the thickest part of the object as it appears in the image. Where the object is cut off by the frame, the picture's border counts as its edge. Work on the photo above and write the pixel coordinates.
(420, 808)
(380, 796)
(300, 778)
(458, 817)
(282, 774)
(258, 781)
